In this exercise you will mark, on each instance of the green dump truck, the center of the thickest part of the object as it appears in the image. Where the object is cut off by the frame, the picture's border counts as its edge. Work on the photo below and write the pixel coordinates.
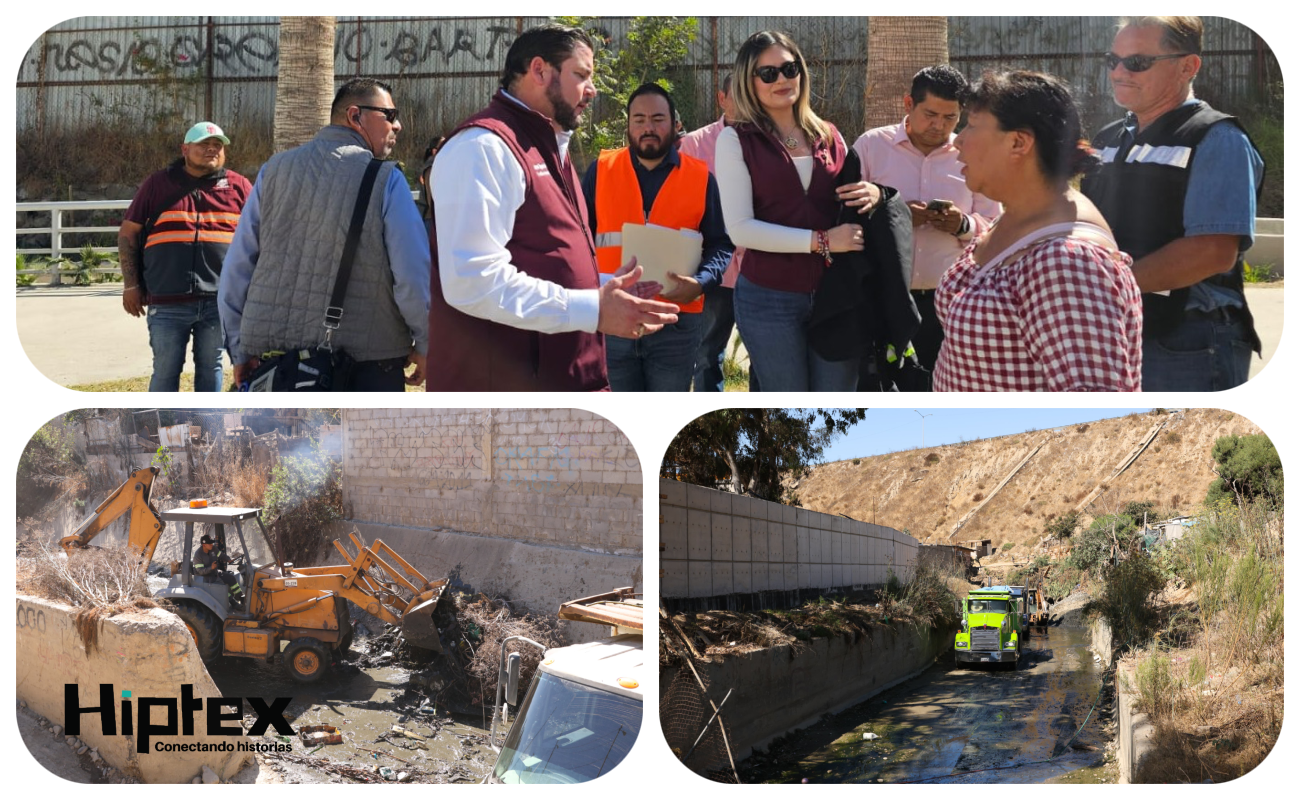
(994, 626)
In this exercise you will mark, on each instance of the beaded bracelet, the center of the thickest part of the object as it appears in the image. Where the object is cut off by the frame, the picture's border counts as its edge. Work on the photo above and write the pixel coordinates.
(824, 246)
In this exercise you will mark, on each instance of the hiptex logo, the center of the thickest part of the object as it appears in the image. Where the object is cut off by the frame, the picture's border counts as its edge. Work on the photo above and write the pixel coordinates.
(268, 715)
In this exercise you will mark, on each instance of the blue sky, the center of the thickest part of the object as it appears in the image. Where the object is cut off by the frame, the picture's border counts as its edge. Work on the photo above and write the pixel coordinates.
(887, 430)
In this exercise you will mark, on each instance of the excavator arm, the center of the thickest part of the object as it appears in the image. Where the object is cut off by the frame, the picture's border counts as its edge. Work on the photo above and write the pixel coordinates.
(133, 496)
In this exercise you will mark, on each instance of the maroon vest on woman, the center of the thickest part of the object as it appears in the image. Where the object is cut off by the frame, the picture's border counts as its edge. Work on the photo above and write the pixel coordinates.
(551, 241)
(779, 198)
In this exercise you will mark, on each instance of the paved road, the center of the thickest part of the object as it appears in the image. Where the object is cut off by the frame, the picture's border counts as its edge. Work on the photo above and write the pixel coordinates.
(978, 724)
(78, 335)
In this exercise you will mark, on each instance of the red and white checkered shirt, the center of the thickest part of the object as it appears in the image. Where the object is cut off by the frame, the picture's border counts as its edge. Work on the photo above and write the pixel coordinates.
(1066, 316)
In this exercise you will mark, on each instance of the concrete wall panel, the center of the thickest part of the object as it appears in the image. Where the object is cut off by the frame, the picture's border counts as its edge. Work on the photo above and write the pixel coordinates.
(673, 532)
(740, 539)
(675, 582)
(700, 528)
(741, 544)
(722, 550)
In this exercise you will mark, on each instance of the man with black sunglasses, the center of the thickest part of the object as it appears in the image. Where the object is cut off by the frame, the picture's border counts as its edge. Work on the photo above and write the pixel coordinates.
(279, 275)
(1178, 184)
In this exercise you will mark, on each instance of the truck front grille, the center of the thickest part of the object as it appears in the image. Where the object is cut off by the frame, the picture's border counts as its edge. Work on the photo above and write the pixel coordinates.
(984, 639)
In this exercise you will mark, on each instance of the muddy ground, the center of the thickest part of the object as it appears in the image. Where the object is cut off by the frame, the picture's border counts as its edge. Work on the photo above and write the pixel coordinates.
(976, 724)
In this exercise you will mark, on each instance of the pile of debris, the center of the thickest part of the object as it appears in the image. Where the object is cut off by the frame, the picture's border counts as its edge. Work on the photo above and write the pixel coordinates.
(472, 627)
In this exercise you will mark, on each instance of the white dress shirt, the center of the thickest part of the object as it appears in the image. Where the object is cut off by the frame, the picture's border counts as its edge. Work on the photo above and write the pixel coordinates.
(478, 186)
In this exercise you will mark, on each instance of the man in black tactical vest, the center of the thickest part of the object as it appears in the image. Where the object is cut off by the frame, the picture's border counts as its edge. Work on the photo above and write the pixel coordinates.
(1179, 183)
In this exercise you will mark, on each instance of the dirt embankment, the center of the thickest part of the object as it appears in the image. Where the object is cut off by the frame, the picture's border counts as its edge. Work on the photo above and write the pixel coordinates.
(926, 492)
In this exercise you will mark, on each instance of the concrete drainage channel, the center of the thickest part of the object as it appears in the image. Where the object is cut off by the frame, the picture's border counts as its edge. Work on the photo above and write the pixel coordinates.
(1133, 728)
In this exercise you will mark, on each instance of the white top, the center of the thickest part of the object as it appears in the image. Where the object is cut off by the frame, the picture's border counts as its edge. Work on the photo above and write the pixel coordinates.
(737, 192)
(478, 187)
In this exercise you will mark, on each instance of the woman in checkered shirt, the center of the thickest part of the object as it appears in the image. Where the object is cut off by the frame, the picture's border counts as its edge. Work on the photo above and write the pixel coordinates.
(1044, 302)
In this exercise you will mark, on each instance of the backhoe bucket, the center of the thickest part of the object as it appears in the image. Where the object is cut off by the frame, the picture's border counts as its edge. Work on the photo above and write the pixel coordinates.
(418, 627)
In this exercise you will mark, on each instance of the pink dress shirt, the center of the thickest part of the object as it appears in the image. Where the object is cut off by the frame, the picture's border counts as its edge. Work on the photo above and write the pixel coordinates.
(889, 158)
(702, 143)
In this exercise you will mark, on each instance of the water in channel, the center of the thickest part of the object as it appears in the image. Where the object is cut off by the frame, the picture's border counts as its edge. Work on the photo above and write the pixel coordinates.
(972, 724)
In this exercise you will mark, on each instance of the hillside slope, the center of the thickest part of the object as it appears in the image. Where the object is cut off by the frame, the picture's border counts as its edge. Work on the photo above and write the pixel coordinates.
(926, 492)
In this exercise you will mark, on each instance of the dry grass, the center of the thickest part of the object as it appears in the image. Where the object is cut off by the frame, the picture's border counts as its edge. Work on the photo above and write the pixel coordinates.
(482, 623)
(928, 601)
(1070, 464)
(99, 582)
(1212, 679)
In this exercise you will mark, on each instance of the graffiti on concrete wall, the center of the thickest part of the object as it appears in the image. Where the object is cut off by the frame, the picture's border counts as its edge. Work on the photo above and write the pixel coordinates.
(126, 55)
(31, 617)
(376, 45)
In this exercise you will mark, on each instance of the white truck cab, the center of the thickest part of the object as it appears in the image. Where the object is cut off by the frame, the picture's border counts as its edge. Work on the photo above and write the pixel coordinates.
(583, 711)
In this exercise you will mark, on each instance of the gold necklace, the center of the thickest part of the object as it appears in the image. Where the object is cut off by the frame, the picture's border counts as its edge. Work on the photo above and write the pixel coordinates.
(790, 142)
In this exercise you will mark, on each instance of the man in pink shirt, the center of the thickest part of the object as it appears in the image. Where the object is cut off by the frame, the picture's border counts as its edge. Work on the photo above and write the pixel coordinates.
(719, 313)
(917, 157)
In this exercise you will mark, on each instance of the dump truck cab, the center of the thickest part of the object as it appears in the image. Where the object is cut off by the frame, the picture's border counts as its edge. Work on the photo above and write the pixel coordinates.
(583, 711)
(994, 626)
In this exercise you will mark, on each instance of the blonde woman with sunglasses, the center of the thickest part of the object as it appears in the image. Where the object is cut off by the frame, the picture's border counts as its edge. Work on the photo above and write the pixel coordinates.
(777, 169)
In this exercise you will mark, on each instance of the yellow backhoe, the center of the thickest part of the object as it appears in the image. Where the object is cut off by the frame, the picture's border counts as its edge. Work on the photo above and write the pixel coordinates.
(294, 615)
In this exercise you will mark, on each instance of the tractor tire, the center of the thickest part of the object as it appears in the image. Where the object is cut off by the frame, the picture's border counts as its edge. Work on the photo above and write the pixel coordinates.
(204, 626)
(306, 659)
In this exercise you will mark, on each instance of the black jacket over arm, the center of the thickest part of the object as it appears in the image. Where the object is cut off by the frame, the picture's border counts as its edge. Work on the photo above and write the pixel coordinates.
(864, 302)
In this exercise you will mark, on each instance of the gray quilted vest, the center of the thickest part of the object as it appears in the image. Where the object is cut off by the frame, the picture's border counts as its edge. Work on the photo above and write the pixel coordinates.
(307, 198)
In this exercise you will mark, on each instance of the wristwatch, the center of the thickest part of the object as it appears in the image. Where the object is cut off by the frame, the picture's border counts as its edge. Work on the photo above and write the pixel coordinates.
(964, 230)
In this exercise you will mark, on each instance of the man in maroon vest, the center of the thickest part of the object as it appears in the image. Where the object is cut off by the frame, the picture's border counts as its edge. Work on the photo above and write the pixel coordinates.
(517, 303)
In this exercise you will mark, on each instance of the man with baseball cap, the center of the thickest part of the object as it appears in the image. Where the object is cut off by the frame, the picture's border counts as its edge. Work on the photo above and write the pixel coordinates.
(171, 244)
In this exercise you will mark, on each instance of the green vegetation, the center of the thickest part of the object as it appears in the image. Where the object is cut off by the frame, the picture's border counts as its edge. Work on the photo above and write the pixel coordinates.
(1064, 526)
(734, 376)
(655, 50)
(302, 497)
(1262, 273)
(758, 450)
(25, 280)
(1249, 468)
(1211, 676)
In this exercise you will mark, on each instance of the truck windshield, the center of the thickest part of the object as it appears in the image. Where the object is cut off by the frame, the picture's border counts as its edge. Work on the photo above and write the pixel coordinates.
(567, 733)
(985, 606)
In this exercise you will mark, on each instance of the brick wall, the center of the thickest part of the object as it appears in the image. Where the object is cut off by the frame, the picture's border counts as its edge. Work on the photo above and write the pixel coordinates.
(558, 477)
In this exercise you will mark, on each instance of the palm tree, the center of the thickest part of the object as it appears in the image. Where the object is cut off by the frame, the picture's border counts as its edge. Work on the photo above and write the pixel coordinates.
(897, 48)
(304, 88)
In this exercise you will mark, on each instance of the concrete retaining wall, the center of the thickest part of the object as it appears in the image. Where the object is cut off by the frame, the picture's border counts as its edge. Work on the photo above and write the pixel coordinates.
(1135, 728)
(536, 578)
(148, 653)
(551, 476)
(718, 543)
(776, 692)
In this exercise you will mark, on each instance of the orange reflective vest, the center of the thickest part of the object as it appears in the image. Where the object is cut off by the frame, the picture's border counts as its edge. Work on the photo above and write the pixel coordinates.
(679, 204)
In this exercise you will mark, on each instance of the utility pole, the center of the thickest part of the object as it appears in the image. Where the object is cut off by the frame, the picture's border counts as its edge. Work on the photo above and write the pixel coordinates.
(922, 416)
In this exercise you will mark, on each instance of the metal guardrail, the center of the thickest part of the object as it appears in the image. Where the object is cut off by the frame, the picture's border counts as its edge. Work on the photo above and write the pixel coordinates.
(59, 226)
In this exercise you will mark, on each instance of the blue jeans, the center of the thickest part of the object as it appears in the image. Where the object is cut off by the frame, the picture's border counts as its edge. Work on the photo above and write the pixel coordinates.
(661, 362)
(1209, 352)
(719, 318)
(170, 327)
(774, 326)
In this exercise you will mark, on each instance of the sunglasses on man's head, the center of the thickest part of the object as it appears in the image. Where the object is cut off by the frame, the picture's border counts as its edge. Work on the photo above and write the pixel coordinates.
(789, 69)
(1138, 63)
(390, 114)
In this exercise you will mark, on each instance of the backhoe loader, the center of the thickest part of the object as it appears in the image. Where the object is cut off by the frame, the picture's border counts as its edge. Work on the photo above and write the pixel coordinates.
(293, 615)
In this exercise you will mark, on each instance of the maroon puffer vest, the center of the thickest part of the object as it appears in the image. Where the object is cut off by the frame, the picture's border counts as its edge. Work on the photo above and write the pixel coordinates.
(779, 198)
(551, 241)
